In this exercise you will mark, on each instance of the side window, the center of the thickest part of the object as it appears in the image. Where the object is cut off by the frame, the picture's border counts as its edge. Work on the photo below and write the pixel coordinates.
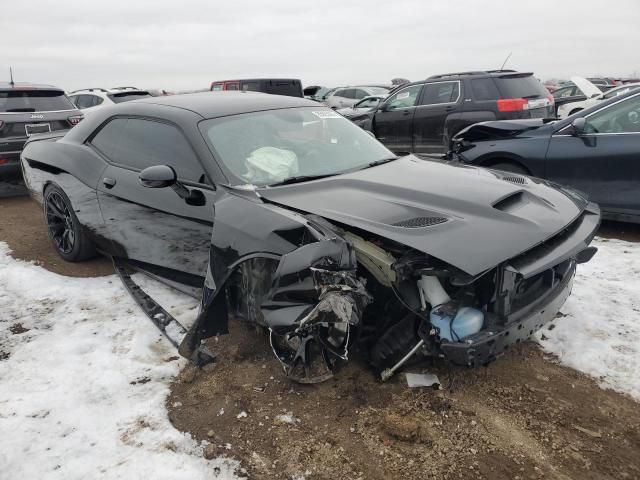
(231, 86)
(484, 89)
(624, 117)
(96, 100)
(250, 87)
(139, 144)
(107, 139)
(359, 94)
(74, 99)
(81, 101)
(440, 92)
(404, 98)
(345, 93)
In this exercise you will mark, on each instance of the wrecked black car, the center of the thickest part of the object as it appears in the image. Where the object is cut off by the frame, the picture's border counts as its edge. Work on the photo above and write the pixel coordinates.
(281, 212)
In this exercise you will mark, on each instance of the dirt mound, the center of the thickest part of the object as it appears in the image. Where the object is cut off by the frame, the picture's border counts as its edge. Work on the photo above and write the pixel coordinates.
(521, 417)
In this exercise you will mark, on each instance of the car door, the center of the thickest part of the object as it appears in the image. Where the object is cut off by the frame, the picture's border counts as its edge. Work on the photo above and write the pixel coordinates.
(393, 121)
(603, 161)
(438, 101)
(154, 227)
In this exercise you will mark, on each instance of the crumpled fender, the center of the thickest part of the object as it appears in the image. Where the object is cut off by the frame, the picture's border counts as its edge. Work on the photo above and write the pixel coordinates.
(315, 278)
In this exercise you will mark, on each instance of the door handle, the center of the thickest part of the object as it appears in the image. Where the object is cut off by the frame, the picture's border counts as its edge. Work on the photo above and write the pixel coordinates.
(406, 112)
(450, 109)
(108, 182)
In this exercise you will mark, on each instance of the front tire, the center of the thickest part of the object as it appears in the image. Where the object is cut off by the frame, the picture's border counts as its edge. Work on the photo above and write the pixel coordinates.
(63, 227)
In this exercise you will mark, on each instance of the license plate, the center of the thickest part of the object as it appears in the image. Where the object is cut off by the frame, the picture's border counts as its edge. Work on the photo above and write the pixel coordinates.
(32, 128)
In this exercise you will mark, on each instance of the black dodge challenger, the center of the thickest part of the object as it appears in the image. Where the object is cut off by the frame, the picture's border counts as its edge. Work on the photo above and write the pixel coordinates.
(281, 212)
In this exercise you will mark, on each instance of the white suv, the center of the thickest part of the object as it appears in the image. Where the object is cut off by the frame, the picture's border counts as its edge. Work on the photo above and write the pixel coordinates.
(91, 99)
(349, 96)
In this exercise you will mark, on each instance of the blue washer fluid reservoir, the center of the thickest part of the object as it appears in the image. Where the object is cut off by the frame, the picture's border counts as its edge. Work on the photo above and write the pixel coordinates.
(455, 325)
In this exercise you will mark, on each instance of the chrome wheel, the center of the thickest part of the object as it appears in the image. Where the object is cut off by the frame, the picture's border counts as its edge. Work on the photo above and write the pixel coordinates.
(60, 223)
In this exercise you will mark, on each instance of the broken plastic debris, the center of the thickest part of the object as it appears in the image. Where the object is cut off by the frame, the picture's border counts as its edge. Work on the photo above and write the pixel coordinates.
(422, 380)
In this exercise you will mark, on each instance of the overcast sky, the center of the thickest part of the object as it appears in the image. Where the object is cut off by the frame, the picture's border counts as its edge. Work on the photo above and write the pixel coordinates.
(186, 44)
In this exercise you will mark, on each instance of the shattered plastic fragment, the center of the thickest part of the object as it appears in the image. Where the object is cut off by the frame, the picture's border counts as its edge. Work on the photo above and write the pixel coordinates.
(422, 380)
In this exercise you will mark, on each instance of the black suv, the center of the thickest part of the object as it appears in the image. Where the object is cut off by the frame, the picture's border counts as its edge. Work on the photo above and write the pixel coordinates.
(421, 117)
(26, 109)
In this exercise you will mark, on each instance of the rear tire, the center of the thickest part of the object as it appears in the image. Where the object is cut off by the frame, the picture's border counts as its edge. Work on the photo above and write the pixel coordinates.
(63, 227)
(509, 167)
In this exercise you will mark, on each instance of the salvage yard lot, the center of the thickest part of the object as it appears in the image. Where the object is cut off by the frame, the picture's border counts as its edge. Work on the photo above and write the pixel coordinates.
(89, 386)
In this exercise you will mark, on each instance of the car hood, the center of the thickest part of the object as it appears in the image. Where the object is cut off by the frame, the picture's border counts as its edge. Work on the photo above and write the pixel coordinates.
(588, 88)
(499, 129)
(469, 217)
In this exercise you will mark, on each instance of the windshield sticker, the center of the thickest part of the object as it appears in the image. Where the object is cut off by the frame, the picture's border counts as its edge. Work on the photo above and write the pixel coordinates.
(326, 114)
(402, 95)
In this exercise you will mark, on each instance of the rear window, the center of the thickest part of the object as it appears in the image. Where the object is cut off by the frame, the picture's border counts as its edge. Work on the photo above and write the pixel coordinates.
(127, 96)
(34, 101)
(520, 87)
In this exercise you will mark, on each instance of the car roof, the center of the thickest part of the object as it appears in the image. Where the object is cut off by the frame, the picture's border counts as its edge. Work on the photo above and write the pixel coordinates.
(220, 104)
(108, 90)
(27, 86)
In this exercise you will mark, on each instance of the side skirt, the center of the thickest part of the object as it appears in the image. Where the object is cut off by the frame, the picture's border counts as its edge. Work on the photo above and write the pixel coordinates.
(166, 323)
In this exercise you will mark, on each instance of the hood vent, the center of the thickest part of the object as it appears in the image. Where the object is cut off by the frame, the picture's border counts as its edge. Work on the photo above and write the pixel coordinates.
(514, 179)
(420, 222)
(511, 202)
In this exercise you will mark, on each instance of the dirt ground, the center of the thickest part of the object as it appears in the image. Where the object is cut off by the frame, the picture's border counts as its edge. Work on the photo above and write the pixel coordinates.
(522, 417)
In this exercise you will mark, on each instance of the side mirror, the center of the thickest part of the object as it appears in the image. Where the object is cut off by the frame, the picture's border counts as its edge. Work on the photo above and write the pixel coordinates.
(161, 176)
(158, 176)
(578, 126)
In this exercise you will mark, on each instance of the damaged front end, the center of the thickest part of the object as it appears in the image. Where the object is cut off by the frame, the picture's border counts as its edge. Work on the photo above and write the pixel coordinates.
(321, 288)
(308, 298)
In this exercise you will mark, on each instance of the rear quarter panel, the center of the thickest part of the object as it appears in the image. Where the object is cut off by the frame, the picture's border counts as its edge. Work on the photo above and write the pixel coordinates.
(76, 170)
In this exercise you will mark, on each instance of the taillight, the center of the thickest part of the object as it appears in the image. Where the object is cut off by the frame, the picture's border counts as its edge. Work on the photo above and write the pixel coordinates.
(75, 119)
(3, 161)
(511, 104)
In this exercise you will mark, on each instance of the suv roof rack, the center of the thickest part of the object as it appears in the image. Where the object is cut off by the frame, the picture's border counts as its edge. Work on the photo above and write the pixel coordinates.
(470, 73)
(125, 88)
(90, 90)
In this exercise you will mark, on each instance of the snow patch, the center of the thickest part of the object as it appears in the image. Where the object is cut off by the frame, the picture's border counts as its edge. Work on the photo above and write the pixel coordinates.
(83, 391)
(598, 329)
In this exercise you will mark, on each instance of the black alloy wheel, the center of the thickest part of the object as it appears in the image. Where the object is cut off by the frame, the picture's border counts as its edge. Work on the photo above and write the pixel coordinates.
(59, 223)
(63, 227)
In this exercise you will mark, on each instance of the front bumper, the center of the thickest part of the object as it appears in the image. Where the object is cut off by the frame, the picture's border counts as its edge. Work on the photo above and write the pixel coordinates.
(484, 347)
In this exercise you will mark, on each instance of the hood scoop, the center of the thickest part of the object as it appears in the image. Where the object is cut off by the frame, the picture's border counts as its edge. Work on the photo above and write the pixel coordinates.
(420, 222)
(512, 202)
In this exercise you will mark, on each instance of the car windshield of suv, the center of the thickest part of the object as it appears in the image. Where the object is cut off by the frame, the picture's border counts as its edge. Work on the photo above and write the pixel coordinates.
(266, 148)
(34, 101)
(520, 87)
(127, 96)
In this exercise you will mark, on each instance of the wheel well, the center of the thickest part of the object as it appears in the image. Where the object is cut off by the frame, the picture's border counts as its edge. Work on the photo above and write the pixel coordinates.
(496, 160)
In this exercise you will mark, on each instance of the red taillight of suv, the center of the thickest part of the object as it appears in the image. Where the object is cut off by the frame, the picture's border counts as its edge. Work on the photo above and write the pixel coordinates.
(75, 119)
(522, 104)
(512, 104)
